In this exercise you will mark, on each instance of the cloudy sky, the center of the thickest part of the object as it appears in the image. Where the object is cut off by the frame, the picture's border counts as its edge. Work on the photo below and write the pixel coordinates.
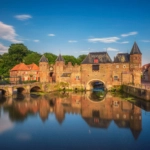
(75, 27)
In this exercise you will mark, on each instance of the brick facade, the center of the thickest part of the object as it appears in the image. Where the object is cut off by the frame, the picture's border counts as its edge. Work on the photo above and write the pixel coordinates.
(97, 66)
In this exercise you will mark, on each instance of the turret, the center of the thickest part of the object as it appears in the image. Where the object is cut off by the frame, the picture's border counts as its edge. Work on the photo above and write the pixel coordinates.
(44, 69)
(59, 67)
(59, 64)
(135, 58)
(135, 64)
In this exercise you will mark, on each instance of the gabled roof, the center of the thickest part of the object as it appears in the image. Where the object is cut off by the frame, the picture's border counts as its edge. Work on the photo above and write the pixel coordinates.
(33, 66)
(20, 67)
(43, 59)
(24, 67)
(145, 67)
(103, 123)
(135, 49)
(102, 57)
(59, 58)
(122, 57)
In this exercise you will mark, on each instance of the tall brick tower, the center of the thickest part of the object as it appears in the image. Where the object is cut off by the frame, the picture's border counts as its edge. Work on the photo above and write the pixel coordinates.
(44, 69)
(59, 67)
(135, 63)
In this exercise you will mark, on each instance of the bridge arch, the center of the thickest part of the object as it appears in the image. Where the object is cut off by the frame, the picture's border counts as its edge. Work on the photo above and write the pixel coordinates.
(35, 89)
(95, 82)
(3, 92)
(92, 97)
(21, 90)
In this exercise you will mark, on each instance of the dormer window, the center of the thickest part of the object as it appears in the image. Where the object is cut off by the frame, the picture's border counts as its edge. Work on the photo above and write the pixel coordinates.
(95, 60)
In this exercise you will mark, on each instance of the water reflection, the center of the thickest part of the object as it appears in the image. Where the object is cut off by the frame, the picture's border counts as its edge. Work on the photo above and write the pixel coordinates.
(97, 114)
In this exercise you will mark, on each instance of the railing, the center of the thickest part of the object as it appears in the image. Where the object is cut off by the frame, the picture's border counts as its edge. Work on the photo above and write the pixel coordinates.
(18, 84)
(141, 86)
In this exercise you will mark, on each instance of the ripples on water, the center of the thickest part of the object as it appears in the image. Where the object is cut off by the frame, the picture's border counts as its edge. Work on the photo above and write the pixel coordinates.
(73, 121)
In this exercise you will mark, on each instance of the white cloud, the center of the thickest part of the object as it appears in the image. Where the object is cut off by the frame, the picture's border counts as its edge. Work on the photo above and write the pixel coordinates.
(104, 40)
(51, 34)
(5, 123)
(72, 41)
(8, 33)
(111, 49)
(129, 34)
(3, 48)
(124, 42)
(36, 41)
(23, 17)
(146, 41)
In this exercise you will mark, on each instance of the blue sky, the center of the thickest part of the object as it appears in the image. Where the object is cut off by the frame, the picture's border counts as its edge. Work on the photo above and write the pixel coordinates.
(75, 27)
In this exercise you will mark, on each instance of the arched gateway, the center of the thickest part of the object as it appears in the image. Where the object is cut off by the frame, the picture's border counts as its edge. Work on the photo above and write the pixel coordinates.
(95, 84)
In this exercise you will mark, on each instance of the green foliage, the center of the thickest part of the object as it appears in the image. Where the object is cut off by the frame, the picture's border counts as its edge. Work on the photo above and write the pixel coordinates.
(26, 82)
(32, 57)
(80, 58)
(17, 52)
(51, 57)
(5, 64)
(71, 59)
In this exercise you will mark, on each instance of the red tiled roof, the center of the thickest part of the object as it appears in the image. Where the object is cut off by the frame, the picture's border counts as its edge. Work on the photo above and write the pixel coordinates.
(24, 67)
(33, 66)
(146, 66)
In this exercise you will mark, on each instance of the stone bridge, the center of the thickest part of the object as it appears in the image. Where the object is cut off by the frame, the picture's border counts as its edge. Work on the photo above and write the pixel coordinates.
(8, 90)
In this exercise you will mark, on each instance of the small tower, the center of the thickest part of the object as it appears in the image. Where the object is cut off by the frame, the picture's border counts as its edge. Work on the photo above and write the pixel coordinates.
(135, 58)
(59, 67)
(44, 69)
(135, 64)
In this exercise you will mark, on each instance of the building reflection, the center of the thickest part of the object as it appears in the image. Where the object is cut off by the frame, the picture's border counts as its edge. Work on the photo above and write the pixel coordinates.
(97, 114)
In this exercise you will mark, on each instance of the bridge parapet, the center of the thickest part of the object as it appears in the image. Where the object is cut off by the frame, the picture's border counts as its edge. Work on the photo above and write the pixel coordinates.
(137, 91)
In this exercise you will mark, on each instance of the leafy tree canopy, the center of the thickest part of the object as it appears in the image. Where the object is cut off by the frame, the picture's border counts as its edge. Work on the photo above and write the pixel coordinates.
(71, 59)
(32, 57)
(81, 58)
(17, 52)
(51, 57)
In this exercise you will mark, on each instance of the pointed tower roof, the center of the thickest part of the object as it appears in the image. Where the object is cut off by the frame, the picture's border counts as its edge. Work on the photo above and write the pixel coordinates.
(135, 133)
(60, 58)
(135, 49)
(43, 59)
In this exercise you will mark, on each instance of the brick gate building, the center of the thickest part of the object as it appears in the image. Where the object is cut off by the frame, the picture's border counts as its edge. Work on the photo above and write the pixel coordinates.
(96, 67)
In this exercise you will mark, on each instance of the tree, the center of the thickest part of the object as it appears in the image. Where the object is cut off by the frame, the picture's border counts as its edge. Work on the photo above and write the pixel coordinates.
(5, 64)
(17, 52)
(32, 57)
(51, 57)
(81, 58)
(69, 58)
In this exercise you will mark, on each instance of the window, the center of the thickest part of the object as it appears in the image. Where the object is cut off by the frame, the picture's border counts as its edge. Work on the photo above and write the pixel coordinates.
(124, 66)
(77, 77)
(116, 78)
(95, 67)
(95, 60)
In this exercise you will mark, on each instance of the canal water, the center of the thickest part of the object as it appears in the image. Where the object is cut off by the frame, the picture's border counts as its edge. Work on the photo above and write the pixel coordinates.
(74, 121)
